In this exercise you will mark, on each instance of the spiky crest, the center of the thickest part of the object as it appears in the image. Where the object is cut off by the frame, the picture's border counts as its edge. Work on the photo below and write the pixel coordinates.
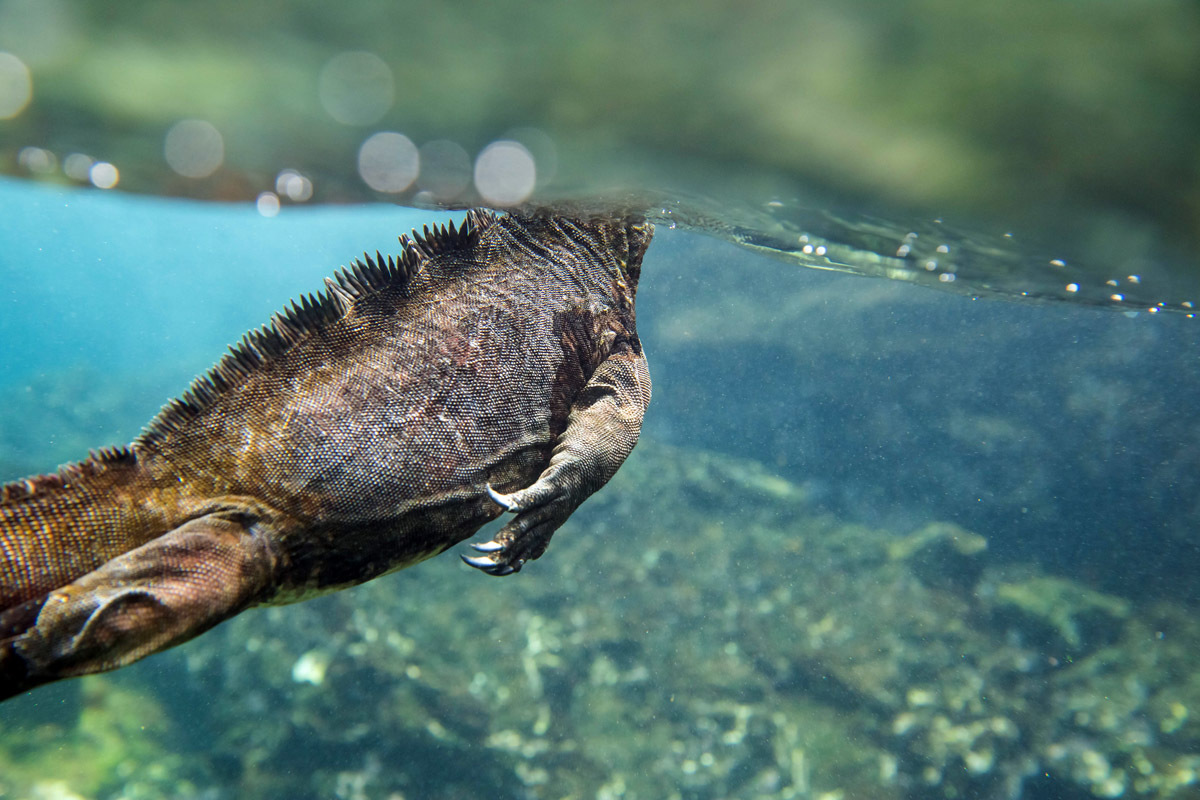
(98, 461)
(313, 312)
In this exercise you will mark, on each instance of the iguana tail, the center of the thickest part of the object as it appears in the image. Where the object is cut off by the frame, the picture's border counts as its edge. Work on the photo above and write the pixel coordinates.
(57, 528)
(100, 565)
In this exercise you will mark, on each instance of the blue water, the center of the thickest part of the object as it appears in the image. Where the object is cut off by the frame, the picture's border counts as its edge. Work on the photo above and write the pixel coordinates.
(126, 282)
(733, 616)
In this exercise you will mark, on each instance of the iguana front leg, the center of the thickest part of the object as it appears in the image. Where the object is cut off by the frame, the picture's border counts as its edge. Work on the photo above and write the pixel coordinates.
(601, 431)
(158, 595)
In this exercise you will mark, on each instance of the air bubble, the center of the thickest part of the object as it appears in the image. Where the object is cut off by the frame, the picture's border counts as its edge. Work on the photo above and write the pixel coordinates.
(295, 187)
(37, 160)
(267, 204)
(389, 162)
(194, 148)
(78, 166)
(505, 173)
(356, 88)
(16, 86)
(103, 175)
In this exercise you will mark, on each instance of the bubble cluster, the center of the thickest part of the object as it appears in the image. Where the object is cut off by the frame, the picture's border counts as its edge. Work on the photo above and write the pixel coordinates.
(79, 167)
(354, 88)
(294, 186)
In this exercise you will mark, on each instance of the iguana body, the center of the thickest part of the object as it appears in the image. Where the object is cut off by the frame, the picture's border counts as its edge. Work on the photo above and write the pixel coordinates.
(364, 430)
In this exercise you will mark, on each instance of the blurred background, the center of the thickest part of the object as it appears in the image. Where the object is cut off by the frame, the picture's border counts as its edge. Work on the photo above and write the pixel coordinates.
(1073, 122)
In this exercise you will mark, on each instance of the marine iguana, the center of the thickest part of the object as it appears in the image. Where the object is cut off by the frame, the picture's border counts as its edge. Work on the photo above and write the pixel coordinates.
(490, 367)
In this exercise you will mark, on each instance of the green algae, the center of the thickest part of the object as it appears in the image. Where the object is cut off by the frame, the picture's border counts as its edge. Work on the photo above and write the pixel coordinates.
(1061, 604)
(109, 739)
(958, 539)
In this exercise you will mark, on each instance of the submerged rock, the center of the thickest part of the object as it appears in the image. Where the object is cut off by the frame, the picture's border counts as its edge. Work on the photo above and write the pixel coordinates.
(1077, 615)
(942, 555)
(699, 632)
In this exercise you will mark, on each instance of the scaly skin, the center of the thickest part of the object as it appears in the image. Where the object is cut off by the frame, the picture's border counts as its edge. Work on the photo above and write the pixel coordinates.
(490, 368)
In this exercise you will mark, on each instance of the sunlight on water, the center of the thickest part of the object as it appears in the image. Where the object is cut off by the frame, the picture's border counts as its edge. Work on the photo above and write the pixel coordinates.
(103, 175)
(505, 174)
(371, 148)
(293, 185)
(823, 137)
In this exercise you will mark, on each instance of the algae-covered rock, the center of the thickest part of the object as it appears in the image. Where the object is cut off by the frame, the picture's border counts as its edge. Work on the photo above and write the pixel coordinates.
(1067, 608)
(101, 740)
(932, 537)
(942, 555)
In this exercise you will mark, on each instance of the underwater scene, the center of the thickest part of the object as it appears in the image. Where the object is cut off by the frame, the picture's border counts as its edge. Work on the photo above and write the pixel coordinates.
(914, 509)
(876, 541)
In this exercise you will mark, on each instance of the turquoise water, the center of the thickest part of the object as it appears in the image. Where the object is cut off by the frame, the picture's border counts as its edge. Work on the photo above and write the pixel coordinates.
(877, 542)
(124, 282)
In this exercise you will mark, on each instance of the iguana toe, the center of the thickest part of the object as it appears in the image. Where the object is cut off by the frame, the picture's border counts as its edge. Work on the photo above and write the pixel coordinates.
(542, 492)
(505, 501)
(491, 567)
(540, 509)
(499, 557)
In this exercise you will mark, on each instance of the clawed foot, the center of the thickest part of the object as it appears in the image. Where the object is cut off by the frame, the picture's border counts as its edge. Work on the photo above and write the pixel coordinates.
(540, 509)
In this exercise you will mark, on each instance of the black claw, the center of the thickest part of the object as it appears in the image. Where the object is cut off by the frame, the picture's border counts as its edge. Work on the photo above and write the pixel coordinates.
(487, 547)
